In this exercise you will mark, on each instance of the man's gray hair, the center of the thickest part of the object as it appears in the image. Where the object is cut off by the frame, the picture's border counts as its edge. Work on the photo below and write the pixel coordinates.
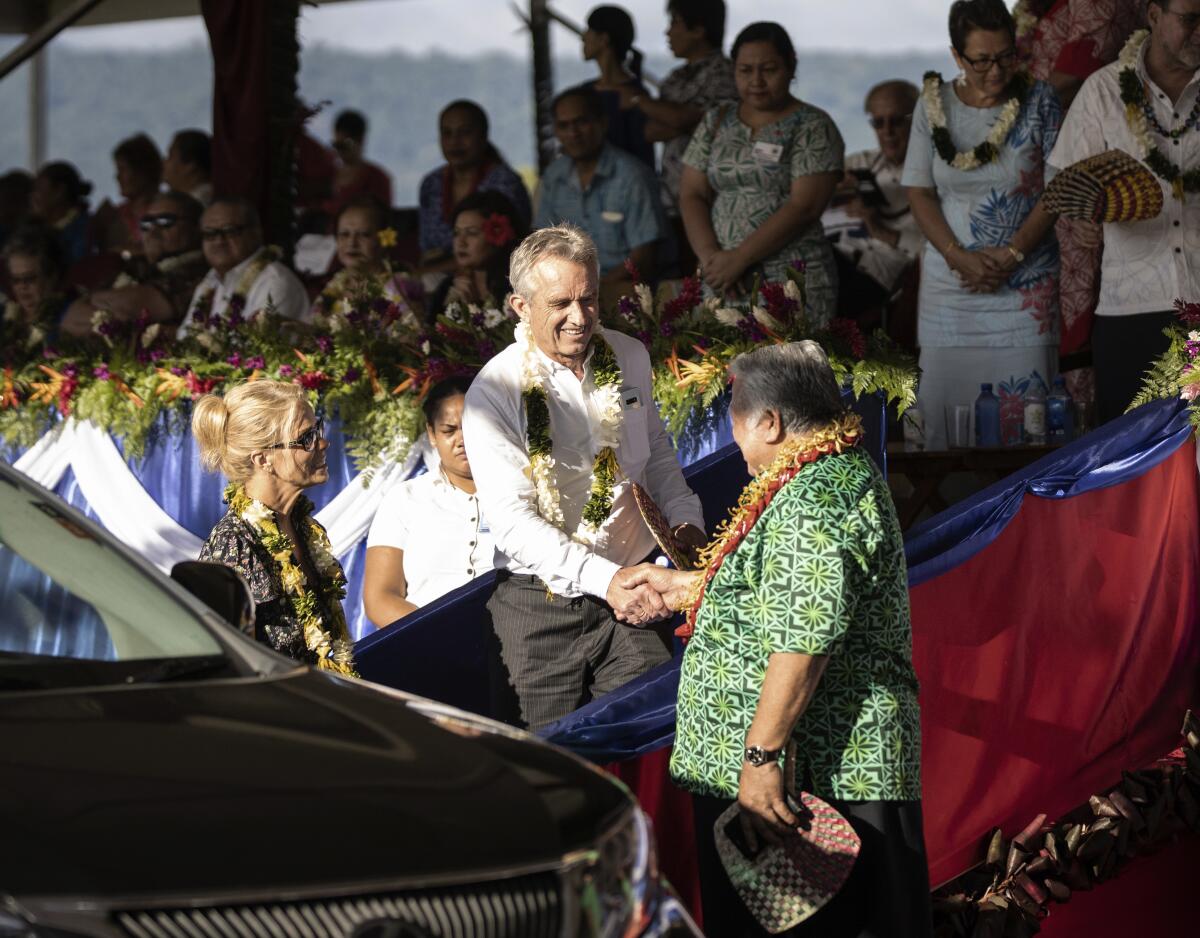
(248, 210)
(562, 241)
(793, 379)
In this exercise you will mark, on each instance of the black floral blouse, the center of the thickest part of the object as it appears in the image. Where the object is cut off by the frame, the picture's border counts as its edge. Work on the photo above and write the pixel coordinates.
(234, 543)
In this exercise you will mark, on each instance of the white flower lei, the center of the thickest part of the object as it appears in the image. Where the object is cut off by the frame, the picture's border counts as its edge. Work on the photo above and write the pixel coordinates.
(541, 466)
(931, 94)
(1026, 22)
(266, 255)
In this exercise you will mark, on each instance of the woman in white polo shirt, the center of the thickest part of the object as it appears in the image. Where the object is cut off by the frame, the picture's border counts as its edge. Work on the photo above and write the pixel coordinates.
(428, 537)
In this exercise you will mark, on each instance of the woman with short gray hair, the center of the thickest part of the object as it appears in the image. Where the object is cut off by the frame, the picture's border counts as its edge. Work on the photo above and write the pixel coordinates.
(798, 675)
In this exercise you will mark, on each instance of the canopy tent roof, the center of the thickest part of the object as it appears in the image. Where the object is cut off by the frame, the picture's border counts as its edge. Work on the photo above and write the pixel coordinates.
(24, 16)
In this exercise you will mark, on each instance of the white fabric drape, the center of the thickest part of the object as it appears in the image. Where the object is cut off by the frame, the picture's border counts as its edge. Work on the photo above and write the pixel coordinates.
(126, 509)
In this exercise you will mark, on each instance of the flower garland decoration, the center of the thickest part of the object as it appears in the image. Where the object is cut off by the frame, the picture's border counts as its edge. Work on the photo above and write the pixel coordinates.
(329, 642)
(201, 313)
(166, 265)
(987, 151)
(1025, 20)
(606, 375)
(1139, 115)
(836, 437)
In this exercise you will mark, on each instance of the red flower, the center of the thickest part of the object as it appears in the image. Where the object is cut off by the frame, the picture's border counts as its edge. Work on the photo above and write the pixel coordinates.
(498, 230)
(1187, 312)
(631, 269)
(199, 386)
(689, 297)
(313, 380)
(847, 331)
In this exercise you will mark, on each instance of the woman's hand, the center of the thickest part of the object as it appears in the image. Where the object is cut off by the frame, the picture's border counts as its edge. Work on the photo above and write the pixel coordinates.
(765, 815)
(722, 270)
(979, 272)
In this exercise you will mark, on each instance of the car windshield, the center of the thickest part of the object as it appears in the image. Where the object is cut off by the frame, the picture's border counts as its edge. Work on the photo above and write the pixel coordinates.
(75, 610)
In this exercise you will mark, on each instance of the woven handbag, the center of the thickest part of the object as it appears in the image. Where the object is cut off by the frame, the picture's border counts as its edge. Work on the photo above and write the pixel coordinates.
(786, 884)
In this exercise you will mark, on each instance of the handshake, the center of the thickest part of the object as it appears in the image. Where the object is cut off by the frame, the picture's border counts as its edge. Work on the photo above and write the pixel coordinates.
(649, 593)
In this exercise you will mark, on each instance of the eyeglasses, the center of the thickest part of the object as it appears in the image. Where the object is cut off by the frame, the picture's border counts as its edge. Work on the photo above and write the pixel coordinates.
(215, 234)
(891, 121)
(24, 280)
(1189, 20)
(982, 65)
(306, 441)
(162, 220)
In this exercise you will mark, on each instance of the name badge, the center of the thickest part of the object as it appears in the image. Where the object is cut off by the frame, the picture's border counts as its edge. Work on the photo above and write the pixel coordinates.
(484, 527)
(631, 399)
(613, 217)
(768, 152)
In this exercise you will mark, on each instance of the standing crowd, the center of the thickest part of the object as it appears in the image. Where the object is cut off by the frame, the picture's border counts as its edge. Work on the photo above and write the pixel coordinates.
(798, 673)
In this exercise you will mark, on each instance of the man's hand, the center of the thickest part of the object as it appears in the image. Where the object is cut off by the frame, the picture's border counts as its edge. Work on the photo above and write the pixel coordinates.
(689, 539)
(675, 586)
(633, 601)
(765, 815)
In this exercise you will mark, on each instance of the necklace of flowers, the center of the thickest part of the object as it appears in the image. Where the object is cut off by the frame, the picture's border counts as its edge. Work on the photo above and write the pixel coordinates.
(836, 437)
(36, 329)
(1025, 20)
(202, 314)
(1139, 115)
(330, 643)
(985, 152)
(164, 266)
(606, 376)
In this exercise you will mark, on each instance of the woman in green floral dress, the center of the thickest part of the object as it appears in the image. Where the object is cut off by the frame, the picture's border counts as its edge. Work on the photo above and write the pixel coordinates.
(799, 673)
(758, 175)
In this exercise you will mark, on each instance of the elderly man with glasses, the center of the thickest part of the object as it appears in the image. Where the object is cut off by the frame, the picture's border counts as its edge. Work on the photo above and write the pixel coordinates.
(245, 277)
(877, 238)
(159, 285)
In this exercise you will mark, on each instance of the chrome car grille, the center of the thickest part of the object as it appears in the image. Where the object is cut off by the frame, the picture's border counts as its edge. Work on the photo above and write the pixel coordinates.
(528, 907)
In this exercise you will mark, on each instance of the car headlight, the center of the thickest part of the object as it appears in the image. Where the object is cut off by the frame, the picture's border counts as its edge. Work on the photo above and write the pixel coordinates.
(613, 884)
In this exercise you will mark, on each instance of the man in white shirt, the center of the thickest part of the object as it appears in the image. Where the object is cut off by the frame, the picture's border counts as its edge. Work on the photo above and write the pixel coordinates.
(1146, 265)
(561, 587)
(244, 276)
(877, 236)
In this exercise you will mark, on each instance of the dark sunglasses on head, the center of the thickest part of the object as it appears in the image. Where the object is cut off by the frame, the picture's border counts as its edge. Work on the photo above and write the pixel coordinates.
(161, 220)
(891, 122)
(229, 231)
(306, 441)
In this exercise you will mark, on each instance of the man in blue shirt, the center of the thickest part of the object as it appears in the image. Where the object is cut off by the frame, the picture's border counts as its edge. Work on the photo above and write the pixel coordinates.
(611, 195)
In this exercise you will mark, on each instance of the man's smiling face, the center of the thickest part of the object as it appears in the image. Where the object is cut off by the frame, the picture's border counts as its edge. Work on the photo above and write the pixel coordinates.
(564, 310)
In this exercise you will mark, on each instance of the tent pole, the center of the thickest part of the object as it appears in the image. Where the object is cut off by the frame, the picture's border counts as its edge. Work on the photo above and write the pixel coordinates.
(44, 33)
(543, 82)
(37, 111)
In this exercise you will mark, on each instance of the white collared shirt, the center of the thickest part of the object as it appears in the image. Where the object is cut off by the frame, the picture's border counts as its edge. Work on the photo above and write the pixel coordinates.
(881, 261)
(445, 540)
(275, 284)
(494, 432)
(1147, 265)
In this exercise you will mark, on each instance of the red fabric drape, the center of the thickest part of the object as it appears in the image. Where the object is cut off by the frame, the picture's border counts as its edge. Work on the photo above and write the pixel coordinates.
(1066, 651)
(241, 152)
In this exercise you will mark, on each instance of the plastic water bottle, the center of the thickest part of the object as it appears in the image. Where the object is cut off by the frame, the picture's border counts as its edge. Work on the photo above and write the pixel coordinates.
(1035, 413)
(987, 417)
(1060, 413)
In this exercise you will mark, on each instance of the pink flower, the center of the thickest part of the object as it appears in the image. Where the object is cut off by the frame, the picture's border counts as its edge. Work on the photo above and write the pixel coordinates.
(1189, 392)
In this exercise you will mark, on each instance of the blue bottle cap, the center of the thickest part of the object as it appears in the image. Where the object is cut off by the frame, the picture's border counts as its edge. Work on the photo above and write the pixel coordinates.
(986, 386)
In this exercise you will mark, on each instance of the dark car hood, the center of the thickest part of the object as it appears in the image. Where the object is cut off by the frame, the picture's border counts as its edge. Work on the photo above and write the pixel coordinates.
(282, 783)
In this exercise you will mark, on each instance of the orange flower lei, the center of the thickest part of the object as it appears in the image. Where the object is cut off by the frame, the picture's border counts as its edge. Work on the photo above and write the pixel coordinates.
(836, 437)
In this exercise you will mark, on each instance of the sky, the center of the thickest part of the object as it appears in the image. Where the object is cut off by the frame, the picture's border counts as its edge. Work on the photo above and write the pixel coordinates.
(467, 27)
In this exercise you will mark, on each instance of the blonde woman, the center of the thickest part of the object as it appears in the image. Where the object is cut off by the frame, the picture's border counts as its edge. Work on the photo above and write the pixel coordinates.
(265, 438)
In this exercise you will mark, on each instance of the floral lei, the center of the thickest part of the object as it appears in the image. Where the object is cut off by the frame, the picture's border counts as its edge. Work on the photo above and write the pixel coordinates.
(1140, 115)
(606, 374)
(202, 312)
(1025, 20)
(332, 646)
(985, 152)
(836, 437)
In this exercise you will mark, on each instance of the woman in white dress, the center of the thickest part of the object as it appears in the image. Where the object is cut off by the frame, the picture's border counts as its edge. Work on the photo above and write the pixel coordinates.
(428, 537)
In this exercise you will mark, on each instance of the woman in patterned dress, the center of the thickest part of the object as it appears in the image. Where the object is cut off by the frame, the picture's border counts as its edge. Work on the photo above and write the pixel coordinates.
(799, 673)
(265, 439)
(758, 175)
(988, 308)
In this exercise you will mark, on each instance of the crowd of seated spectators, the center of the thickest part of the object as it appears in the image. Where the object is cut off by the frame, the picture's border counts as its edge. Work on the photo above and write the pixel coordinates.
(718, 171)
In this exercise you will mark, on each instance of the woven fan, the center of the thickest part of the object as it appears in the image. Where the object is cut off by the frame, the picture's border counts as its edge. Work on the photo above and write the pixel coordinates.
(657, 522)
(1109, 187)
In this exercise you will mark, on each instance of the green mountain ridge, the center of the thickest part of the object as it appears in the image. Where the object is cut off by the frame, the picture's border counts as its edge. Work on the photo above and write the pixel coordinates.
(96, 99)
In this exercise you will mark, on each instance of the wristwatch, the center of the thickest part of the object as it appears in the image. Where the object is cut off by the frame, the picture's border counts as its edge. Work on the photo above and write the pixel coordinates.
(1018, 255)
(758, 756)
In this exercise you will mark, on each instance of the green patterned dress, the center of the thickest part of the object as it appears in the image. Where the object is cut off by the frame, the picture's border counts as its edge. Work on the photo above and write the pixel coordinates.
(821, 573)
(751, 175)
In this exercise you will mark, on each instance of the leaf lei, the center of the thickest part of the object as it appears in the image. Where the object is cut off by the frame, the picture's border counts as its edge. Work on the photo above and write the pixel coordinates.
(606, 375)
(836, 437)
(202, 312)
(1139, 114)
(332, 646)
(987, 151)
